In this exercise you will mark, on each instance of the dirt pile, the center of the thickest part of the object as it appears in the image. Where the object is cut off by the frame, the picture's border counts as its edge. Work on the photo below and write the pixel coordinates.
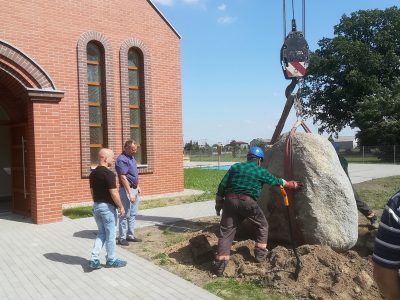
(325, 274)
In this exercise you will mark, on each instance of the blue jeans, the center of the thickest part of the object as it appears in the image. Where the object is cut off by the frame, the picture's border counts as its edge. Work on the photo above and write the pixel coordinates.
(127, 222)
(105, 215)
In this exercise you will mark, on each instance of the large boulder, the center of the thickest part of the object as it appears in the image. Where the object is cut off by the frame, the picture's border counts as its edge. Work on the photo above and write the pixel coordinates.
(324, 210)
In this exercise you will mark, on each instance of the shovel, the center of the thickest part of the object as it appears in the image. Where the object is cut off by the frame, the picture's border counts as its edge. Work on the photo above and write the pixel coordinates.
(286, 203)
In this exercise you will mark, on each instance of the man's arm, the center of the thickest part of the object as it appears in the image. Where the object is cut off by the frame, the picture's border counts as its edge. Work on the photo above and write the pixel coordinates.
(127, 187)
(117, 200)
(219, 198)
(273, 180)
(222, 185)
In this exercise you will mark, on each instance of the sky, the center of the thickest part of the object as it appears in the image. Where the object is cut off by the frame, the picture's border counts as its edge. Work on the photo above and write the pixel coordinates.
(232, 82)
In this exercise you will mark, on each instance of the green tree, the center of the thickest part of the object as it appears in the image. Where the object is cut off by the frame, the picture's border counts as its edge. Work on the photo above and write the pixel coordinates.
(353, 78)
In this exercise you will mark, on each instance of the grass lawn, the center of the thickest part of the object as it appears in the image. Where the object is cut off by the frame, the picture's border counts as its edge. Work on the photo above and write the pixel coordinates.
(235, 290)
(363, 160)
(375, 192)
(194, 178)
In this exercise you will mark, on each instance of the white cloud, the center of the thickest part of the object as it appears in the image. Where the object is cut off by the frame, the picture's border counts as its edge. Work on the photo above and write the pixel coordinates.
(192, 1)
(226, 20)
(222, 7)
(200, 3)
(164, 2)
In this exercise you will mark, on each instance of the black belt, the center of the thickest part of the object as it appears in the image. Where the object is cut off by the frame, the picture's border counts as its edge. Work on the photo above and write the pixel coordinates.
(133, 186)
(239, 196)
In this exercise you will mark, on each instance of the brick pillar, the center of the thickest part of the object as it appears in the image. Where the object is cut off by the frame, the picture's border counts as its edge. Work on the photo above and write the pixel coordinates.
(46, 150)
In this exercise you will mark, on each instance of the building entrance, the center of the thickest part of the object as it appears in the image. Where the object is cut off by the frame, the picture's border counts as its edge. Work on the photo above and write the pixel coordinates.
(5, 168)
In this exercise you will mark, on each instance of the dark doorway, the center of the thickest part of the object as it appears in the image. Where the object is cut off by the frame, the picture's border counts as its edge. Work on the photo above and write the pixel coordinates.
(5, 165)
(14, 166)
(20, 170)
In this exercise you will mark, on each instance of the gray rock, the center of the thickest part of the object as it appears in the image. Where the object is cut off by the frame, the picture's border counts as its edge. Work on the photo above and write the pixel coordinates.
(324, 210)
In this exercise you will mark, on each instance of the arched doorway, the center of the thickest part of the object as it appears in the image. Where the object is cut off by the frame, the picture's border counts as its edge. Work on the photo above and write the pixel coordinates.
(14, 182)
(24, 89)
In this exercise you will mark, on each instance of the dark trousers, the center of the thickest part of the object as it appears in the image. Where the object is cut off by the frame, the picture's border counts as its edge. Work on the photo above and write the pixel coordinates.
(234, 212)
(361, 205)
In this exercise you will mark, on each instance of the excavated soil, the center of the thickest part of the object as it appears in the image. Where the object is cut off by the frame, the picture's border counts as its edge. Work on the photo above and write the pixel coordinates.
(324, 273)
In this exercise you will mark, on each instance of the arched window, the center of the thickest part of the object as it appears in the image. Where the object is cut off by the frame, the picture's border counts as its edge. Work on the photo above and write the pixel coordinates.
(136, 105)
(96, 100)
(136, 101)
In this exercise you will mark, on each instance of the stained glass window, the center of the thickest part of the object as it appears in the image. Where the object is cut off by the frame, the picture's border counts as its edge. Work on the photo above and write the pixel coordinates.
(135, 76)
(135, 116)
(95, 65)
(95, 115)
(93, 52)
(134, 97)
(136, 134)
(94, 93)
(133, 58)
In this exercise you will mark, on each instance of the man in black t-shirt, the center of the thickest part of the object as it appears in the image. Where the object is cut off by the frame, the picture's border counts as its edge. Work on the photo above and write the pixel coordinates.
(106, 200)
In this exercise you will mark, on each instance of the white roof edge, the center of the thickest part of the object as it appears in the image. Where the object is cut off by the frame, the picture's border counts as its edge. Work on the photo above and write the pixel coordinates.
(164, 18)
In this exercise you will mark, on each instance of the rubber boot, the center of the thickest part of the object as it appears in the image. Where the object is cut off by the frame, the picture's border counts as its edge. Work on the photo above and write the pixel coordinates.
(260, 254)
(218, 267)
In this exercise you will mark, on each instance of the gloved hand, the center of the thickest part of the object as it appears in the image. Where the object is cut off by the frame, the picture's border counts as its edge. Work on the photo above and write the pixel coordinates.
(293, 184)
(219, 203)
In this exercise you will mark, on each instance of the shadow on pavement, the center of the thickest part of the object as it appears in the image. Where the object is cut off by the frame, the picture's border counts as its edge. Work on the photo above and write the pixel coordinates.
(86, 234)
(69, 260)
(9, 216)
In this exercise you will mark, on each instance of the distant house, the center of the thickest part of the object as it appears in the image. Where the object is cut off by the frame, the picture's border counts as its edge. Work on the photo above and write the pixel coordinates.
(240, 144)
(345, 143)
(259, 142)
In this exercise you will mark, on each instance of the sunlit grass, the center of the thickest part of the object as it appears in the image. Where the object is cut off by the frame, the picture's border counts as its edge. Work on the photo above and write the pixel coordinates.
(377, 192)
(195, 178)
(234, 289)
(78, 212)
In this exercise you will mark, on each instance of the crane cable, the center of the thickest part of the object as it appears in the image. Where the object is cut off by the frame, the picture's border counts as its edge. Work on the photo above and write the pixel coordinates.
(303, 17)
(292, 99)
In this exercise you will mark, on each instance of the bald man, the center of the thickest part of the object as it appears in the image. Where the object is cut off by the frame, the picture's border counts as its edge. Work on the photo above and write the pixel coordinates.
(106, 200)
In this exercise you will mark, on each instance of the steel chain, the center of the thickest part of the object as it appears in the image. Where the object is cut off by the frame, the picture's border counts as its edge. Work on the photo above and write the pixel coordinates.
(297, 104)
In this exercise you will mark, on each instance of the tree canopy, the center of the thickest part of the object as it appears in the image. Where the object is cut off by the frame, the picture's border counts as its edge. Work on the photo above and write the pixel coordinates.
(354, 78)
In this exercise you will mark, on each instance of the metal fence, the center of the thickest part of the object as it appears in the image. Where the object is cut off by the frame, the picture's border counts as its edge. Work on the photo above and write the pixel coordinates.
(212, 155)
(389, 154)
(364, 154)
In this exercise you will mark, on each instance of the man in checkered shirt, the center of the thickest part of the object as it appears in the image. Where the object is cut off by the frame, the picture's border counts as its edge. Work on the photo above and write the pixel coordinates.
(237, 196)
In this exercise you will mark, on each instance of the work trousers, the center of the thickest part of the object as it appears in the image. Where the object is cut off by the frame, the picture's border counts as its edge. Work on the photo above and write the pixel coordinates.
(234, 211)
(361, 205)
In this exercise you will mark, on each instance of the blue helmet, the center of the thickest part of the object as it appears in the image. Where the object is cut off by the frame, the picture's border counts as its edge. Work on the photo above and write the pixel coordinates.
(257, 152)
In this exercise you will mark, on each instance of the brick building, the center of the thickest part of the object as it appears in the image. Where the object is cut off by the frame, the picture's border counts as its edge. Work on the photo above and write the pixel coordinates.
(76, 76)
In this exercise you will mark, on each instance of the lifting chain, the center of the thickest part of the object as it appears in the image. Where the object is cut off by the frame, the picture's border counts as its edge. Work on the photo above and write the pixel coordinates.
(298, 106)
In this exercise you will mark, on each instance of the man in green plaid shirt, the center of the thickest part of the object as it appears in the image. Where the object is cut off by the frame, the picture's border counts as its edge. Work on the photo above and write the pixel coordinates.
(237, 196)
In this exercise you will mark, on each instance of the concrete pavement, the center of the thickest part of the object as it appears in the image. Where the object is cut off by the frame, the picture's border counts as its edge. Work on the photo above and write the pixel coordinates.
(50, 261)
(364, 172)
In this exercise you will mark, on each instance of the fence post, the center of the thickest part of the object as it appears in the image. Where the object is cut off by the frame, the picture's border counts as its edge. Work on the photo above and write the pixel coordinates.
(394, 154)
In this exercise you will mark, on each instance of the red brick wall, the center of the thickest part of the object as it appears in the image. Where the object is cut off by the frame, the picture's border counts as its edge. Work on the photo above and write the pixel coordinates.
(48, 32)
